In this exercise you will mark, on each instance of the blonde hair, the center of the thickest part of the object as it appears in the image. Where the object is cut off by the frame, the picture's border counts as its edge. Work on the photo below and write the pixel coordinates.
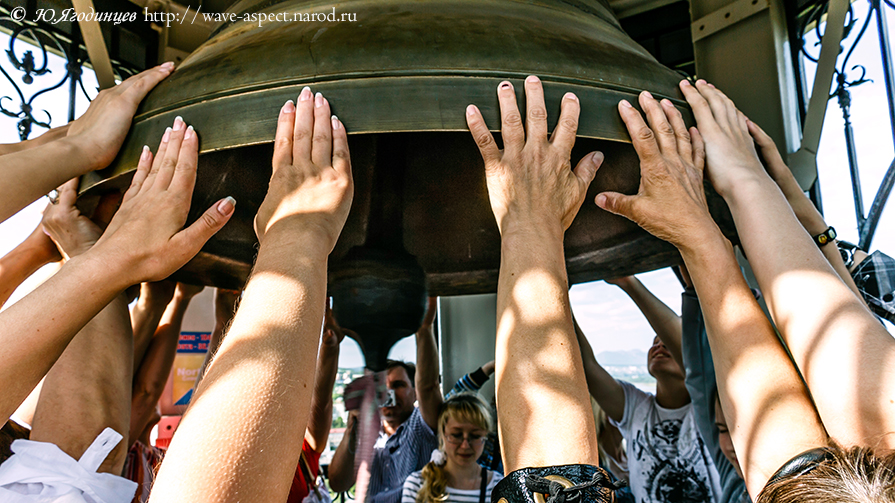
(464, 408)
(848, 475)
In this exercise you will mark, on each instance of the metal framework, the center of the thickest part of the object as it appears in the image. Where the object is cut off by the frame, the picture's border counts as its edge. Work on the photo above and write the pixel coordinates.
(31, 45)
(846, 77)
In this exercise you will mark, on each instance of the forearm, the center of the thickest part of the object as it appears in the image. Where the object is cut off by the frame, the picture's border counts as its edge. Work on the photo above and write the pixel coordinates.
(256, 394)
(602, 386)
(152, 374)
(538, 353)
(321, 417)
(17, 265)
(661, 318)
(341, 468)
(84, 286)
(768, 410)
(818, 317)
(29, 174)
(145, 319)
(814, 224)
(428, 389)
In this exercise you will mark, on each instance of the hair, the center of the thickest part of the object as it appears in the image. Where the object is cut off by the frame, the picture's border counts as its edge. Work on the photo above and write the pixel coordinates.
(464, 408)
(11, 432)
(408, 367)
(848, 475)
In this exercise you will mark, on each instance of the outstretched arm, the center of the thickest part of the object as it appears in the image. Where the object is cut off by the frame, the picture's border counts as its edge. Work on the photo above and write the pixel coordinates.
(805, 211)
(768, 410)
(36, 251)
(250, 412)
(602, 386)
(48, 136)
(824, 324)
(428, 387)
(91, 143)
(144, 241)
(664, 321)
(535, 196)
(321, 418)
(151, 373)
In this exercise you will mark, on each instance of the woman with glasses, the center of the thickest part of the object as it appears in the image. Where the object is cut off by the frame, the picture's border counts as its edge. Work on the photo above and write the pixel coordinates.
(453, 474)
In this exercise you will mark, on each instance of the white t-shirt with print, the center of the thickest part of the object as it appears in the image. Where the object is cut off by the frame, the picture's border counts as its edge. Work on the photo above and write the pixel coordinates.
(667, 459)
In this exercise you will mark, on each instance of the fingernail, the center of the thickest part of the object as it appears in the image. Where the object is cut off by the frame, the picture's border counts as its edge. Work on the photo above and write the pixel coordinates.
(305, 94)
(570, 96)
(626, 104)
(601, 200)
(318, 100)
(666, 102)
(226, 206)
(335, 121)
(647, 94)
(531, 79)
(700, 81)
(505, 85)
(597, 157)
(189, 133)
(289, 107)
(167, 66)
(166, 135)
(145, 155)
(178, 123)
(710, 85)
(686, 83)
(470, 110)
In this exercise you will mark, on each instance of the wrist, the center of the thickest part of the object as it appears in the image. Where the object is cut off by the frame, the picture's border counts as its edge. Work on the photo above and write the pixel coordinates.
(81, 156)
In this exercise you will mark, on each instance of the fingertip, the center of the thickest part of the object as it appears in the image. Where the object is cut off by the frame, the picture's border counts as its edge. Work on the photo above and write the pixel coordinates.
(570, 97)
(532, 79)
(226, 206)
(189, 134)
(624, 104)
(471, 110)
(288, 107)
(597, 158)
(602, 201)
(504, 86)
(336, 124)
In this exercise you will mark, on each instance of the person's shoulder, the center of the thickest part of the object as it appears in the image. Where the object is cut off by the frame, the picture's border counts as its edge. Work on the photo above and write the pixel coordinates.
(495, 478)
(414, 481)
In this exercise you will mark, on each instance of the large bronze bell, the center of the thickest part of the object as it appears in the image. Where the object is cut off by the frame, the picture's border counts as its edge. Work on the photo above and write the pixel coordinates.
(400, 78)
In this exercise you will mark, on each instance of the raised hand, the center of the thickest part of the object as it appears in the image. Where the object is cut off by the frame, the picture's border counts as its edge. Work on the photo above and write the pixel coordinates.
(107, 120)
(333, 334)
(530, 180)
(670, 203)
(730, 152)
(72, 232)
(146, 235)
(311, 172)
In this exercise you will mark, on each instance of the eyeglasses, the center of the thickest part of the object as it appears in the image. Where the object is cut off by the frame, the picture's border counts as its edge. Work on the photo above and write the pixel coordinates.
(456, 439)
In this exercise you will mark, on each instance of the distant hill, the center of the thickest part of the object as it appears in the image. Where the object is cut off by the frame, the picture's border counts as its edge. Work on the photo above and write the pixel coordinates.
(629, 357)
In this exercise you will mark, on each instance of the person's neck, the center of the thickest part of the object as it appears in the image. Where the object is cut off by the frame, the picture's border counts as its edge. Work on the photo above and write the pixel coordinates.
(463, 477)
(390, 426)
(671, 393)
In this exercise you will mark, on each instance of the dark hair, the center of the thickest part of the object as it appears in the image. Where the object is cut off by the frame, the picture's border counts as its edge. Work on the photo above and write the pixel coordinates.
(11, 432)
(407, 366)
(855, 475)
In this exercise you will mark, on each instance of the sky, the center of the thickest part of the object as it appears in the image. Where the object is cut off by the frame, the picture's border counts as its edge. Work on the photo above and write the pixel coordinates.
(610, 320)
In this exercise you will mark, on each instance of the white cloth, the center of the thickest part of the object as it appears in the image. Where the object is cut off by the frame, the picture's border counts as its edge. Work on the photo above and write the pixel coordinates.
(40, 472)
(667, 460)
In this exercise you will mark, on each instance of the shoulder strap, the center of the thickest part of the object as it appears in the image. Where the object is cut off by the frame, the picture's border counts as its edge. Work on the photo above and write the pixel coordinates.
(484, 485)
(306, 471)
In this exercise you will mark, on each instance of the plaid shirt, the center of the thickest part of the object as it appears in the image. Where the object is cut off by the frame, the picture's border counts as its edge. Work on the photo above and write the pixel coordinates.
(399, 455)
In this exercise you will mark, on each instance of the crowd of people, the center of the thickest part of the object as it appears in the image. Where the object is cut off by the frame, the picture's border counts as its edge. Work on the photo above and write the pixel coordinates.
(795, 406)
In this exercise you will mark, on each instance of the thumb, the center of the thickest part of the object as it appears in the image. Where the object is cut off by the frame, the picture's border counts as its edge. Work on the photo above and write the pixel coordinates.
(195, 236)
(617, 203)
(587, 167)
